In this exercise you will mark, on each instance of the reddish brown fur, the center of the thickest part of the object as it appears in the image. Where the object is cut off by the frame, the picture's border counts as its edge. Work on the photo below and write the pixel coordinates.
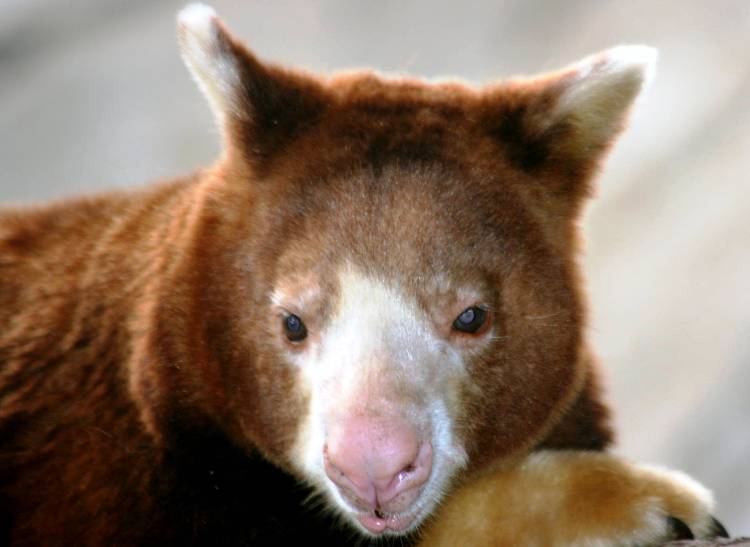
(134, 326)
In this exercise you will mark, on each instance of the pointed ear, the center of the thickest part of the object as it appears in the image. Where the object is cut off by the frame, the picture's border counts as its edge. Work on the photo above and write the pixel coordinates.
(564, 122)
(259, 107)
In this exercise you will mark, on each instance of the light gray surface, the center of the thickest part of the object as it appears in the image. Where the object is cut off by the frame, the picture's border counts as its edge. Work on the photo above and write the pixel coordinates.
(93, 95)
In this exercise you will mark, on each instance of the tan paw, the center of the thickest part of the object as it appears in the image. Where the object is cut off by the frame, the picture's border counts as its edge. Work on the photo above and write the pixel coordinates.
(575, 498)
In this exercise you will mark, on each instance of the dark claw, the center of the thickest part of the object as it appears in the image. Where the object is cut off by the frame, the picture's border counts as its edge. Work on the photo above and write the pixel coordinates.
(680, 529)
(717, 529)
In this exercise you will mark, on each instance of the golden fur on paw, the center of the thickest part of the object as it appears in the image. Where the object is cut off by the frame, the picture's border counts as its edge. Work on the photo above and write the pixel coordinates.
(572, 498)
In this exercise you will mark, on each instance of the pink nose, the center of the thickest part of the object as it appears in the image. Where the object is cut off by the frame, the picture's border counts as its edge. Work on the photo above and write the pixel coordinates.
(378, 463)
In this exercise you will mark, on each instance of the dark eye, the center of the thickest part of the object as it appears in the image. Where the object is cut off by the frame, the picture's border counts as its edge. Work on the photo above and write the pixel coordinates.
(295, 328)
(470, 320)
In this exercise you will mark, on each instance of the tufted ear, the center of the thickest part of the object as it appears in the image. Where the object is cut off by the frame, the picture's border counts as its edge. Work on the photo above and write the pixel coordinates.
(562, 123)
(259, 107)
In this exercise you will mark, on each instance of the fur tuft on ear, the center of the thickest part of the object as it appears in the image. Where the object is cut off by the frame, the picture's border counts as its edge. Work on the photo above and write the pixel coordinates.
(259, 107)
(558, 126)
(596, 94)
(206, 50)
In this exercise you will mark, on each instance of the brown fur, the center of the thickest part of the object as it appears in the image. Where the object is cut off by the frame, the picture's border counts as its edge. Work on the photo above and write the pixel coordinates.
(138, 358)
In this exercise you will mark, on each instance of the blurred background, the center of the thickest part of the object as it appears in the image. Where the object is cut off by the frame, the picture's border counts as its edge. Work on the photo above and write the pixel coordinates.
(93, 95)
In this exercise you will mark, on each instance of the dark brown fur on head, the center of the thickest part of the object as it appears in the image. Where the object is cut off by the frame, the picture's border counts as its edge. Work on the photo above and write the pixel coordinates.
(141, 349)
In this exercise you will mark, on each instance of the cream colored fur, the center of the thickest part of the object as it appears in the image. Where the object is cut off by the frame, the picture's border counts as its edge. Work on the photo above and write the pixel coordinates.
(213, 70)
(556, 499)
(367, 361)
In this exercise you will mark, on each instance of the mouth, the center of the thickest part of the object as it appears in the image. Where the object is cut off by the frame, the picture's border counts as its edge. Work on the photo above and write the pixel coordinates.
(378, 522)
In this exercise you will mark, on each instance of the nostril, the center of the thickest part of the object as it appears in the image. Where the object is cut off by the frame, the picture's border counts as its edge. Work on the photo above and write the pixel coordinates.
(411, 476)
(352, 485)
(405, 472)
(335, 471)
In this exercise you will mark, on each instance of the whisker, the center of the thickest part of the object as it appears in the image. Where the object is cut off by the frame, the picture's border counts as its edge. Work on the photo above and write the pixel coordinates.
(543, 316)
